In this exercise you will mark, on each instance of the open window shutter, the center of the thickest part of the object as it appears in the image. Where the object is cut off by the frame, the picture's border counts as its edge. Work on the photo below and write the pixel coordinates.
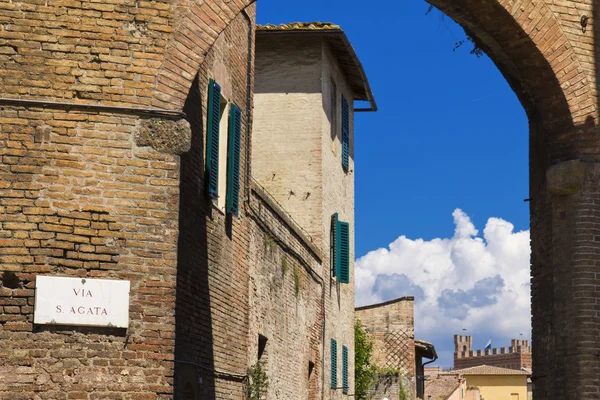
(345, 134)
(345, 369)
(343, 252)
(333, 364)
(334, 245)
(233, 159)
(212, 138)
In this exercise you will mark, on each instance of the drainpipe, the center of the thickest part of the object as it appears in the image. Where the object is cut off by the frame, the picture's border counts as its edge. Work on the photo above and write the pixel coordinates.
(248, 101)
(435, 357)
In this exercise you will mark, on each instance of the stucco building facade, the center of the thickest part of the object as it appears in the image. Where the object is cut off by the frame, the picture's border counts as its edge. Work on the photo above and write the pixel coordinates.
(494, 383)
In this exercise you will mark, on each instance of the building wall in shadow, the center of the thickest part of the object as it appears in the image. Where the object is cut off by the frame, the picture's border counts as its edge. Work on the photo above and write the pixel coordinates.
(211, 348)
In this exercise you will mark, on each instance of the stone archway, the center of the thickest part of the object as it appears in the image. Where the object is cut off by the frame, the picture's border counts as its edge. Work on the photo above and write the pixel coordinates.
(548, 58)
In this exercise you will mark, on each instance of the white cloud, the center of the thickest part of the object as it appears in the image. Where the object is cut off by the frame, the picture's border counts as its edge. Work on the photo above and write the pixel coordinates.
(467, 281)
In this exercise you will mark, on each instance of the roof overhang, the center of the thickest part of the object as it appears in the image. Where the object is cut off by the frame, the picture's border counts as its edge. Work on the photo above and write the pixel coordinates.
(341, 48)
(426, 349)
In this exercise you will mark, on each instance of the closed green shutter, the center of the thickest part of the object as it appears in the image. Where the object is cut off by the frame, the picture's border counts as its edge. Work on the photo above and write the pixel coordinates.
(212, 138)
(345, 134)
(333, 364)
(345, 369)
(334, 245)
(233, 159)
(344, 252)
(340, 254)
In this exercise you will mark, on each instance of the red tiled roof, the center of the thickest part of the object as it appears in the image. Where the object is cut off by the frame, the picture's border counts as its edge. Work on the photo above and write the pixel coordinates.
(486, 370)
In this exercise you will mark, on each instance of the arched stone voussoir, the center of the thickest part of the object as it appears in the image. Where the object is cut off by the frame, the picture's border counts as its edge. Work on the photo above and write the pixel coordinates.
(527, 44)
(197, 25)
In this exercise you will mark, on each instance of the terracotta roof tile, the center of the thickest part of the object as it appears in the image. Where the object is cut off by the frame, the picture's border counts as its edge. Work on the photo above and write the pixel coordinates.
(439, 387)
(486, 370)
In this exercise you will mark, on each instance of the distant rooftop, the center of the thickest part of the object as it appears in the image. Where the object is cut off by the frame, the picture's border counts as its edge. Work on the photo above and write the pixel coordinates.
(486, 370)
(340, 47)
(440, 387)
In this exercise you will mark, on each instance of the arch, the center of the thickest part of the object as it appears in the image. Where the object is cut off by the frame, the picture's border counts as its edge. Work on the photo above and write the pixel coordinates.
(196, 26)
(526, 42)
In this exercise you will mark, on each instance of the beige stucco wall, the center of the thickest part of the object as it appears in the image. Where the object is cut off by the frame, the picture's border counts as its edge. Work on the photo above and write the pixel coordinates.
(296, 160)
(499, 387)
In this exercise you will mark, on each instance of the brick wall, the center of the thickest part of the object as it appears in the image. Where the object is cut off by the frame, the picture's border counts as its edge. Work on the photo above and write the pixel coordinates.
(516, 356)
(213, 252)
(548, 58)
(95, 193)
(391, 328)
(286, 140)
(286, 301)
(297, 160)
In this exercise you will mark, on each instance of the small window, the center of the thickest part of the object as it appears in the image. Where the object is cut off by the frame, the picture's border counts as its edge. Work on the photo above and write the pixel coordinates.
(340, 249)
(262, 345)
(223, 149)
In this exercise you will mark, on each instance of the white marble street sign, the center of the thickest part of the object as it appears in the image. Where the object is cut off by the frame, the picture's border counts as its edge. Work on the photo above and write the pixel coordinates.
(81, 301)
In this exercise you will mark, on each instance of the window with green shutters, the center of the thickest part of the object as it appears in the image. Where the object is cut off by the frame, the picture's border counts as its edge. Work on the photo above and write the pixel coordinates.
(223, 150)
(333, 364)
(340, 254)
(233, 159)
(212, 138)
(345, 134)
(345, 369)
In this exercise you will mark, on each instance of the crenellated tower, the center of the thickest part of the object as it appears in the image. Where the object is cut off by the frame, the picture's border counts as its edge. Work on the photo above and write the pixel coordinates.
(517, 356)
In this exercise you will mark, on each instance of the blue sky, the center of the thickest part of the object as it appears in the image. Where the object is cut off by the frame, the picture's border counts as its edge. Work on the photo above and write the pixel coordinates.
(449, 134)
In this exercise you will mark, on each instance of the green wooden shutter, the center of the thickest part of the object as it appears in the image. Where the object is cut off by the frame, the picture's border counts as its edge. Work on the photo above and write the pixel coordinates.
(333, 364)
(345, 133)
(345, 369)
(334, 245)
(233, 159)
(344, 252)
(212, 138)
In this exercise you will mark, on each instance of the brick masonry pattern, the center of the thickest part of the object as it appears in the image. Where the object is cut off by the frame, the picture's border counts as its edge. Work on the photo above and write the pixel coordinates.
(148, 53)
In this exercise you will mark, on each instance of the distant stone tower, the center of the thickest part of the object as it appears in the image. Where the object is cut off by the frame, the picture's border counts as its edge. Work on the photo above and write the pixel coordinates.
(462, 344)
(517, 356)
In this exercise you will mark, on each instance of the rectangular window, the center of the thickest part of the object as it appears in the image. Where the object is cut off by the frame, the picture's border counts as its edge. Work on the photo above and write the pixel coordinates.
(345, 369)
(333, 364)
(340, 253)
(223, 149)
(345, 134)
